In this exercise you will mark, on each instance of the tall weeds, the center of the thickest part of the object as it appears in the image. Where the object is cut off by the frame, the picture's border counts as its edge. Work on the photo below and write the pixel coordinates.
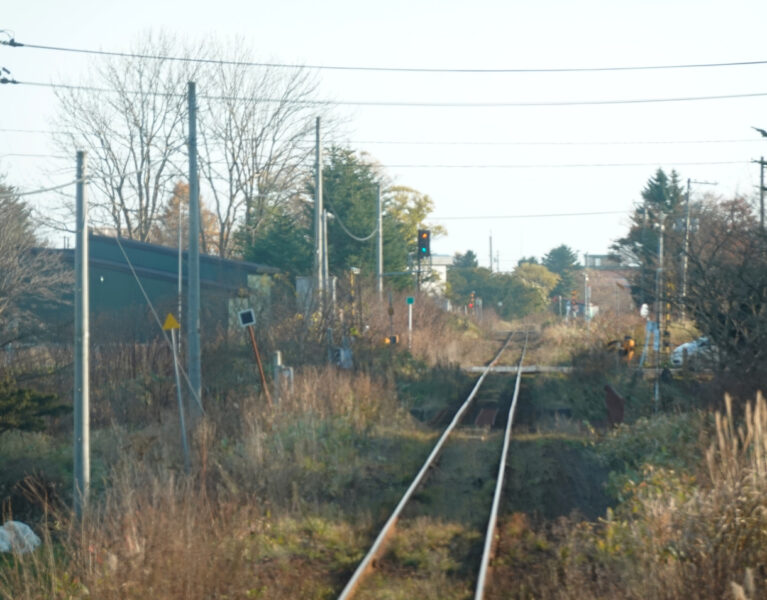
(674, 536)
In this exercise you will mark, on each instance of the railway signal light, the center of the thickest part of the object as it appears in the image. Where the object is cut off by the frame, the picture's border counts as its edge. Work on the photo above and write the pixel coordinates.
(424, 242)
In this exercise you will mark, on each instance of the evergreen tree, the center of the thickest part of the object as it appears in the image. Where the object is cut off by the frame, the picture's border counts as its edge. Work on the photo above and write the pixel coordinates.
(25, 409)
(465, 261)
(562, 261)
(662, 201)
(285, 242)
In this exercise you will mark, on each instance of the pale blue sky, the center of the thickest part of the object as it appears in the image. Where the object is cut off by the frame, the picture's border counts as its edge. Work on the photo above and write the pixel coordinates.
(450, 34)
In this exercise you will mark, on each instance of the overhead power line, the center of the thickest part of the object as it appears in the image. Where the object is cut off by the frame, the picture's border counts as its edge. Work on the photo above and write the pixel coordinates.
(535, 216)
(277, 65)
(549, 143)
(563, 165)
(482, 142)
(17, 194)
(425, 104)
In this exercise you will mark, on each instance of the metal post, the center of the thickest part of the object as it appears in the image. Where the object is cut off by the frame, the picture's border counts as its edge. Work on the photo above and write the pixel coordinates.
(277, 376)
(410, 327)
(180, 272)
(264, 387)
(181, 416)
(193, 310)
(82, 467)
(379, 262)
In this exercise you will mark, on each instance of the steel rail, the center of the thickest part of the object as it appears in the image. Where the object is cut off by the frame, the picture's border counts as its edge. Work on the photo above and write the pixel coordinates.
(490, 535)
(388, 527)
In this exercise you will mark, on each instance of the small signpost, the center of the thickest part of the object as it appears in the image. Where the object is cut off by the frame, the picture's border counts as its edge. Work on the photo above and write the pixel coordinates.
(248, 320)
(171, 324)
(410, 302)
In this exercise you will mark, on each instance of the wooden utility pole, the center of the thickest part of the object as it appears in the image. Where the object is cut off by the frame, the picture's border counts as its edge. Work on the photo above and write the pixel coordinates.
(82, 461)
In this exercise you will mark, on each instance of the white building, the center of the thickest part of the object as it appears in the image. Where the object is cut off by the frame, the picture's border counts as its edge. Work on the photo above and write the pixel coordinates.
(436, 265)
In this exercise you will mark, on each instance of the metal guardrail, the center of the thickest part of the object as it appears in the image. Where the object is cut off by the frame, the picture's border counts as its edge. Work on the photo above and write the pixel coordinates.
(388, 527)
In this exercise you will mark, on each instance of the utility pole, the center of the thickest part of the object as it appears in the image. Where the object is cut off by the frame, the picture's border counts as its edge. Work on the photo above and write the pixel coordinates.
(328, 292)
(686, 248)
(659, 310)
(82, 459)
(319, 259)
(586, 299)
(491, 251)
(379, 245)
(193, 309)
(687, 241)
(761, 162)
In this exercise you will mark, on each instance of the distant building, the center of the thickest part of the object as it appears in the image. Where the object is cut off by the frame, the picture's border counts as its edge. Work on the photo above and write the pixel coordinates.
(437, 265)
(127, 275)
(606, 262)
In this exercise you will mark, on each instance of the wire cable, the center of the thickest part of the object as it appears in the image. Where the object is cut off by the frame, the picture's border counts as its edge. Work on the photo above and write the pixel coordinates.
(481, 142)
(276, 65)
(349, 233)
(158, 321)
(561, 165)
(38, 191)
(534, 216)
(425, 104)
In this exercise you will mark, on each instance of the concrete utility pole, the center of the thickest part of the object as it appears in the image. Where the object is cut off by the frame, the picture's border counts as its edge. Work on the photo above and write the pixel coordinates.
(491, 251)
(319, 258)
(659, 311)
(327, 296)
(761, 162)
(82, 459)
(686, 247)
(379, 245)
(193, 310)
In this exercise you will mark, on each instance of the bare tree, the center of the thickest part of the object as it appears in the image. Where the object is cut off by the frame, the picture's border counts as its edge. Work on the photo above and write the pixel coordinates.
(31, 278)
(255, 132)
(256, 141)
(130, 119)
(727, 291)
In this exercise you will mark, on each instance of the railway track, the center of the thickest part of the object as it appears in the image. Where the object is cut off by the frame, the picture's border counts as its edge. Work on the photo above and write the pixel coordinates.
(465, 472)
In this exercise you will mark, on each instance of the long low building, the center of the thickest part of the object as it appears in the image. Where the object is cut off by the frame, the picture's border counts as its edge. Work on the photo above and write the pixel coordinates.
(126, 276)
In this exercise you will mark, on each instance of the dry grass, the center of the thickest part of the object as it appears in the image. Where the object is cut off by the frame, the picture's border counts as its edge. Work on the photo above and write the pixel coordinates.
(275, 507)
(675, 536)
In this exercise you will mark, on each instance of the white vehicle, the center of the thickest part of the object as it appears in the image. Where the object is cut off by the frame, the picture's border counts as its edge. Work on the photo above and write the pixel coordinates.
(698, 352)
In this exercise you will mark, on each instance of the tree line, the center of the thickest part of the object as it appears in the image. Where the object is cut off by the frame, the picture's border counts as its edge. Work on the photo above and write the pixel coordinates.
(526, 290)
(712, 271)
